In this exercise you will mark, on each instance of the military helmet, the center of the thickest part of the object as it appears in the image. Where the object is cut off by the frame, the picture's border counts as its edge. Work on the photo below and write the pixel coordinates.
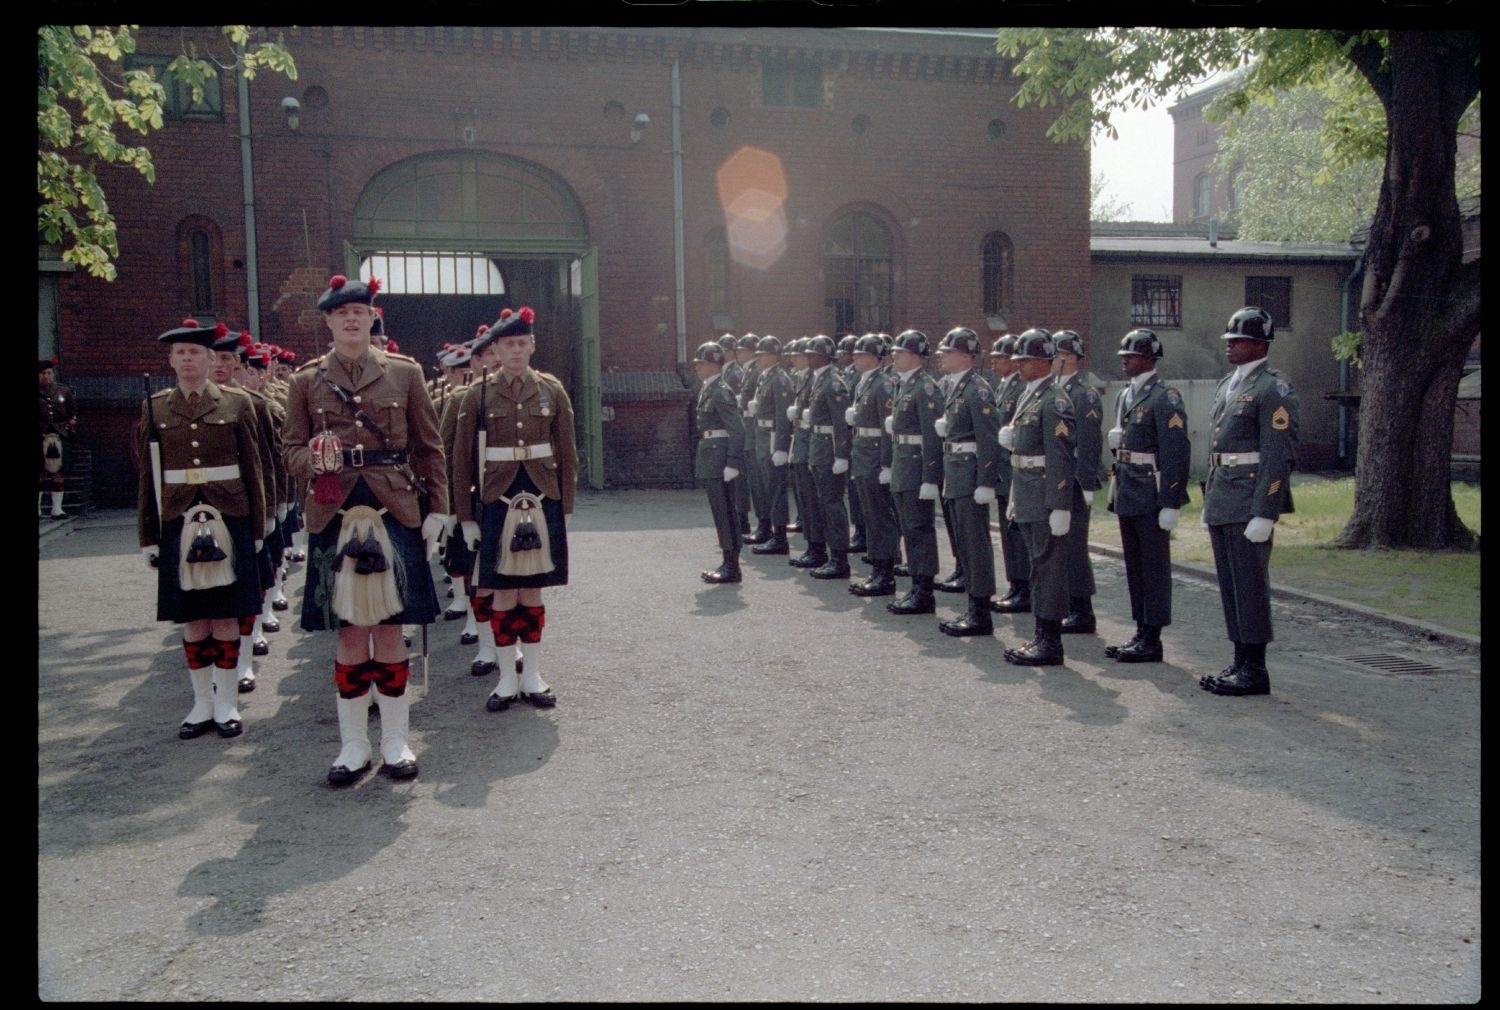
(727, 341)
(820, 345)
(1140, 342)
(1067, 340)
(914, 341)
(768, 345)
(1250, 323)
(869, 344)
(1004, 345)
(748, 342)
(710, 352)
(961, 338)
(847, 342)
(1034, 343)
(885, 338)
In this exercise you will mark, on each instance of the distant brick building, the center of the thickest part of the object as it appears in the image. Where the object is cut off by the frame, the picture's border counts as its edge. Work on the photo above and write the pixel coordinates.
(831, 180)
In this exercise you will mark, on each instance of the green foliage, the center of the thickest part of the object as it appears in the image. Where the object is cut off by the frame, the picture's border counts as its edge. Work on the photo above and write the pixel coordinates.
(1102, 208)
(1347, 346)
(84, 98)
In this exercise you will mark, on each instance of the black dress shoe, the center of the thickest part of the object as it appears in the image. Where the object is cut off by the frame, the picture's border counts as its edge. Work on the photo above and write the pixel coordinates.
(952, 584)
(1039, 652)
(1245, 680)
(455, 615)
(447, 580)
(810, 559)
(246, 685)
(902, 571)
(338, 775)
(400, 770)
(261, 648)
(724, 574)
(1113, 651)
(1018, 602)
(915, 602)
(281, 604)
(795, 527)
(880, 583)
(270, 625)
(1138, 651)
(495, 703)
(857, 544)
(775, 544)
(468, 638)
(482, 668)
(450, 592)
(189, 730)
(760, 536)
(1229, 671)
(541, 699)
(229, 728)
(836, 567)
(1078, 624)
(976, 621)
(297, 556)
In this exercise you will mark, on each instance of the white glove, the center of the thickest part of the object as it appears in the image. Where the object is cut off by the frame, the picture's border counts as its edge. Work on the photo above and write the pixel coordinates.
(730, 473)
(983, 495)
(927, 492)
(471, 535)
(1167, 519)
(778, 458)
(433, 526)
(281, 512)
(848, 415)
(1060, 520)
(890, 424)
(151, 554)
(1258, 530)
(884, 477)
(1116, 436)
(807, 415)
(259, 546)
(841, 466)
(450, 525)
(752, 406)
(1008, 437)
(266, 526)
(941, 424)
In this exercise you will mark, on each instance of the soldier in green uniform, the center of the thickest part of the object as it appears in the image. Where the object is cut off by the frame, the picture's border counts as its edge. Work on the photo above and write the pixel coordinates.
(720, 455)
(870, 466)
(773, 440)
(58, 415)
(971, 461)
(1250, 460)
(1147, 489)
(916, 466)
(755, 477)
(1008, 386)
(855, 509)
(1088, 411)
(809, 509)
(1043, 462)
(733, 377)
(828, 454)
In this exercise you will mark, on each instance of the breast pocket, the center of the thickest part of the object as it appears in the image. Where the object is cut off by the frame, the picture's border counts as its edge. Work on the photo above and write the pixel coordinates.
(392, 407)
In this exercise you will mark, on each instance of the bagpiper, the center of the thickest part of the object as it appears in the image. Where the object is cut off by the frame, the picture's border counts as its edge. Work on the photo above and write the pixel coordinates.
(58, 415)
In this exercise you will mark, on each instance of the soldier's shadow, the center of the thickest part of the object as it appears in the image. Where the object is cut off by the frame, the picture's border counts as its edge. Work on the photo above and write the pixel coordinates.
(716, 600)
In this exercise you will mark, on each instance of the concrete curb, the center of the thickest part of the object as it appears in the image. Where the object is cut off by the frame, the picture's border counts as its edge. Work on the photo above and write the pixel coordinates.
(49, 530)
(1431, 632)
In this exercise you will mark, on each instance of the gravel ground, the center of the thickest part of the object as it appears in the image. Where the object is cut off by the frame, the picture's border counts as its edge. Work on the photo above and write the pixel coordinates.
(775, 791)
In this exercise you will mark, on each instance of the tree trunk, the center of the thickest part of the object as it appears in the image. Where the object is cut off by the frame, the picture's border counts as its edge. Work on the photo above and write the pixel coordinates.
(1419, 305)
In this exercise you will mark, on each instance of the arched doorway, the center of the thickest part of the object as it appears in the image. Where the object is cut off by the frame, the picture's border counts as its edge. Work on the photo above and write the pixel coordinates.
(461, 235)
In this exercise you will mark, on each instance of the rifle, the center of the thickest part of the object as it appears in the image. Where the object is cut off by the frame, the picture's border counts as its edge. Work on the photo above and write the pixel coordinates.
(153, 442)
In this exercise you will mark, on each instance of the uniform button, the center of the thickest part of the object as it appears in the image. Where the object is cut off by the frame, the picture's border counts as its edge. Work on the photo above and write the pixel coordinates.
(358, 400)
(195, 445)
(197, 463)
(359, 424)
(190, 426)
(520, 424)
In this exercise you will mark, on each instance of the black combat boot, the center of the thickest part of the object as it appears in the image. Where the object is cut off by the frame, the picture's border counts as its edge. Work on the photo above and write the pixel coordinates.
(880, 583)
(1113, 651)
(1044, 650)
(901, 571)
(1146, 648)
(775, 543)
(952, 584)
(1080, 619)
(761, 535)
(836, 567)
(729, 571)
(1250, 677)
(919, 601)
(814, 556)
(976, 620)
(1017, 601)
(857, 543)
(1228, 671)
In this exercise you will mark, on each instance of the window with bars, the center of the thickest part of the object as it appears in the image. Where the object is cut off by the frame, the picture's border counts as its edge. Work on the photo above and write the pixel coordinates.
(1156, 300)
(997, 269)
(857, 274)
(796, 85)
(178, 101)
(433, 273)
(1274, 294)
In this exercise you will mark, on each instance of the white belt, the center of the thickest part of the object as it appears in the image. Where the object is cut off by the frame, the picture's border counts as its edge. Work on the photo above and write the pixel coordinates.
(868, 432)
(1029, 462)
(961, 447)
(1232, 458)
(748, 413)
(767, 424)
(1145, 458)
(908, 439)
(822, 429)
(509, 454)
(201, 474)
(716, 433)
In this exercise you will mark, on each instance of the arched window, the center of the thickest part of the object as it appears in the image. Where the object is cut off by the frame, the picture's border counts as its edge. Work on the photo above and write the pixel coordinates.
(857, 261)
(998, 272)
(200, 266)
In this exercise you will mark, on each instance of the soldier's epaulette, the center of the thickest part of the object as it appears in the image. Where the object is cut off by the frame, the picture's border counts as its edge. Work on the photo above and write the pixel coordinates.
(162, 393)
(403, 357)
(549, 376)
(310, 363)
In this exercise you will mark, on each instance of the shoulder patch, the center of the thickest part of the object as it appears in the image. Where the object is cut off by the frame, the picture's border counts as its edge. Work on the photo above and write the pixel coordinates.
(1062, 403)
(1283, 388)
(1092, 394)
(984, 393)
(1174, 397)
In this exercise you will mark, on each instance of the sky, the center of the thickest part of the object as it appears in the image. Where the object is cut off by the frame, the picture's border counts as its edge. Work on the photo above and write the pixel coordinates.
(1137, 168)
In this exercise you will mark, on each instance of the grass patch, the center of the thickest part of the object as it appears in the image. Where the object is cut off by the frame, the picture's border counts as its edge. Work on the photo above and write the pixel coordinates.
(1441, 587)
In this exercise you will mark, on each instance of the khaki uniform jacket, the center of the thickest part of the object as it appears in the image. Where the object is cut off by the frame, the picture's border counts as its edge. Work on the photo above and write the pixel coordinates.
(391, 391)
(219, 431)
(450, 406)
(1259, 416)
(268, 444)
(1044, 426)
(542, 416)
(55, 407)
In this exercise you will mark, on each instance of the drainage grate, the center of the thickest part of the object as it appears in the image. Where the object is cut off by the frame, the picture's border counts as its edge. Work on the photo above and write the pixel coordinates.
(1392, 664)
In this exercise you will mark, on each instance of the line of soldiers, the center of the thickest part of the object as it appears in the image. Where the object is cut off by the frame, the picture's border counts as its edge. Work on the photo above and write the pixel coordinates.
(242, 456)
(884, 434)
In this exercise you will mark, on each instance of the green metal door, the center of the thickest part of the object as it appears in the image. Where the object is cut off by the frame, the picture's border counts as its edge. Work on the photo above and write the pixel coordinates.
(590, 419)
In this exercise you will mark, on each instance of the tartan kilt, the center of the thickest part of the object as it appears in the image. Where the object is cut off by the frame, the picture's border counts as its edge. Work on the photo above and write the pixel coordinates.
(241, 598)
(413, 573)
(492, 521)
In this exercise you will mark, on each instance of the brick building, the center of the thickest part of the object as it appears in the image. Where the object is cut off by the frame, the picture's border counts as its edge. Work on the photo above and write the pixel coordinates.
(825, 180)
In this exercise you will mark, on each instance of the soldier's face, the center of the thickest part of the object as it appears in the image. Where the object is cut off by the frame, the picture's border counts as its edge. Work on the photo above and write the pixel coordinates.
(1242, 350)
(706, 370)
(350, 325)
(866, 362)
(225, 363)
(515, 352)
(905, 361)
(191, 362)
(743, 355)
(45, 377)
(952, 362)
(1137, 364)
(768, 360)
(1034, 368)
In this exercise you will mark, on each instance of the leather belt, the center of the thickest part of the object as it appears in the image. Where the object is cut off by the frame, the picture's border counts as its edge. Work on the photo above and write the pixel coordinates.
(1232, 458)
(359, 456)
(201, 474)
(869, 432)
(961, 447)
(1145, 458)
(908, 439)
(716, 433)
(511, 454)
(1029, 462)
(767, 424)
(822, 429)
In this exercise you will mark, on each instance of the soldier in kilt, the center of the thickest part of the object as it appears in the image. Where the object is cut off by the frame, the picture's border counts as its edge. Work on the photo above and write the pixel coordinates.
(58, 417)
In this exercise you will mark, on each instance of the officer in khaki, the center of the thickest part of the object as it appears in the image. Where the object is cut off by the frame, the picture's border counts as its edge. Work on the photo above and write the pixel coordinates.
(1251, 455)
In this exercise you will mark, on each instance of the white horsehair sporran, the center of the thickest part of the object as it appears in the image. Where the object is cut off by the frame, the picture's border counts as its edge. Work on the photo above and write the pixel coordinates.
(205, 550)
(364, 581)
(524, 545)
(52, 452)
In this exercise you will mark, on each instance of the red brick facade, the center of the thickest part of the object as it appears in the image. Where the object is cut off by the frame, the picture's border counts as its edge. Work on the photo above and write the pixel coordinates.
(927, 164)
